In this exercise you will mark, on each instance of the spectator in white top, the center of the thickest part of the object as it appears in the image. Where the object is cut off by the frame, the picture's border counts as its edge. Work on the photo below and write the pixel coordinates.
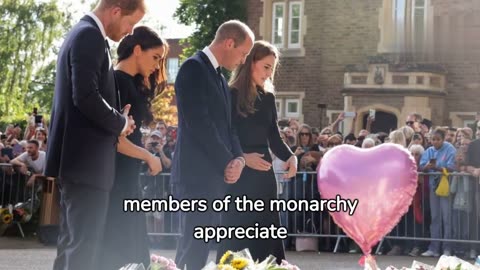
(32, 162)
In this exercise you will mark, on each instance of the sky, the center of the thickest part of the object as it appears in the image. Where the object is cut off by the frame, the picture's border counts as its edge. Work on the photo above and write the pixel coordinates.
(160, 12)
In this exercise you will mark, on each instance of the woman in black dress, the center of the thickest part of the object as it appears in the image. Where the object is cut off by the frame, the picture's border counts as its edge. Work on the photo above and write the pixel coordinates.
(254, 117)
(140, 76)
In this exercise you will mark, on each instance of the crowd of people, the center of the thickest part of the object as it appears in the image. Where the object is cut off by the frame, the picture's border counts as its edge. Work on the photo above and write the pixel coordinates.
(227, 142)
(430, 215)
(434, 148)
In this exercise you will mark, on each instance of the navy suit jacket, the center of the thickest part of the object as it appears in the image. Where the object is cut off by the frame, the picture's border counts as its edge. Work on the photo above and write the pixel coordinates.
(206, 140)
(84, 122)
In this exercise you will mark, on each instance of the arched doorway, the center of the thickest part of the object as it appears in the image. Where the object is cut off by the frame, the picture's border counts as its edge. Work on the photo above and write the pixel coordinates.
(384, 122)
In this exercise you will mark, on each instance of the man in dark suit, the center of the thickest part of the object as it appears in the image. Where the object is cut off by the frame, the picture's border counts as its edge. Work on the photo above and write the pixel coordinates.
(85, 127)
(208, 155)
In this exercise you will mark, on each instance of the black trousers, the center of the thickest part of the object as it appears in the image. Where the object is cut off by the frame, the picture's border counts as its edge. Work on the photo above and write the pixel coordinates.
(83, 214)
(191, 252)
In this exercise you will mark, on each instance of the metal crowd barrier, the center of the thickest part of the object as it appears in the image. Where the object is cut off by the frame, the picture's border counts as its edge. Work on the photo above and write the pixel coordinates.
(413, 229)
(17, 201)
(161, 226)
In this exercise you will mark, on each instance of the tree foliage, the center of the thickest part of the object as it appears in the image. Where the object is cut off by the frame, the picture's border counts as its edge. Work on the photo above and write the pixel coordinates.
(163, 107)
(29, 30)
(207, 16)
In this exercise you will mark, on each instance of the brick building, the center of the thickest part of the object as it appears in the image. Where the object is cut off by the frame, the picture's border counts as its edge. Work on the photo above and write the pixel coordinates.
(394, 56)
(173, 59)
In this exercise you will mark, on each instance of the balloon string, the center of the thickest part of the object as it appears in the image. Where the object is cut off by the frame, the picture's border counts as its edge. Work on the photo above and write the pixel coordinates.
(361, 262)
(371, 261)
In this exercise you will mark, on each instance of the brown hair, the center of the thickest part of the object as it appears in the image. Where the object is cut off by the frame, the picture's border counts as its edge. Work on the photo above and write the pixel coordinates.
(467, 134)
(242, 77)
(334, 140)
(43, 131)
(128, 7)
(154, 85)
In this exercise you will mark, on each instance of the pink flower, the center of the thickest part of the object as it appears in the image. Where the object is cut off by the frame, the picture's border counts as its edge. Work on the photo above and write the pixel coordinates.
(289, 266)
(163, 261)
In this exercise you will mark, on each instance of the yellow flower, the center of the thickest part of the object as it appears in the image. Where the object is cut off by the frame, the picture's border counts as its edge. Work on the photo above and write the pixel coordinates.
(7, 218)
(226, 257)
(225, 267)
(239, 263)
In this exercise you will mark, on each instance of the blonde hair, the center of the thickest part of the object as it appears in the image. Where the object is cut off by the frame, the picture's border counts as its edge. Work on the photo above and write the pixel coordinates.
(398, 137)
(408, 132)
(310, 138)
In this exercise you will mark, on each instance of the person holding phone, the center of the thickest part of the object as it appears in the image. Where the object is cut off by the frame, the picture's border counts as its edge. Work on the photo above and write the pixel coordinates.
(436, 158)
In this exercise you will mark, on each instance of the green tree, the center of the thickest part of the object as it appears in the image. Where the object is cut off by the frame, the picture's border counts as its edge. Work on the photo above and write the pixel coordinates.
(163, 108)
(29, 30)
(207, 16)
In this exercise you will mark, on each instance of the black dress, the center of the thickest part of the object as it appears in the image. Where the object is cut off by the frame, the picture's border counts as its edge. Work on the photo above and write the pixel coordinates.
(126, 239)
(257, 133)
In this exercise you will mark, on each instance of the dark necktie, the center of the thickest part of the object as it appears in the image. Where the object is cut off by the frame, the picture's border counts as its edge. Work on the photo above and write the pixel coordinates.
(219, 73)
(117, 93)
(220, 77)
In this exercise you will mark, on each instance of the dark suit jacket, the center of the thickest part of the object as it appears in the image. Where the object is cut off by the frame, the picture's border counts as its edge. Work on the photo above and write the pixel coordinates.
(84, 123)
(206, 140)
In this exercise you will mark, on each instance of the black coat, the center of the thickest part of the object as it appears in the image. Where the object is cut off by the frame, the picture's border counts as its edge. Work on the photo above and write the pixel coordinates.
(206, 140)
(85, 123)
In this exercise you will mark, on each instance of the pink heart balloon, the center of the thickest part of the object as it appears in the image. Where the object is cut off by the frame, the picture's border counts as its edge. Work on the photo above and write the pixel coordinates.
(383, 179)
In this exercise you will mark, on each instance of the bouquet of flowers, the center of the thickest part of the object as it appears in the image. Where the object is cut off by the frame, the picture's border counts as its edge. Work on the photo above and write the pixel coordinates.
(161, 263)
(22, 212)
(156, 263)
(6, 216)
(242, 260)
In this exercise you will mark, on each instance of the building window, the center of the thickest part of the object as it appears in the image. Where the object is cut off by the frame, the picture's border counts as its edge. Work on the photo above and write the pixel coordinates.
(399, 23)
(406, 26)
(172, 69)
(277, 24)
(292, 107)
(289, 105)
(294, 24)
(469, 123)
(418, 25)
(286, 28)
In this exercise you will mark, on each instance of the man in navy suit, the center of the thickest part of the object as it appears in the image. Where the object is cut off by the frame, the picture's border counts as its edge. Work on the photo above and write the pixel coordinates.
(208, 155)
(85, 127)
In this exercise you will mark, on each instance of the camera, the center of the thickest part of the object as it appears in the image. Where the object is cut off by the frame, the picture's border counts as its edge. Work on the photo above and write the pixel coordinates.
(154, 144)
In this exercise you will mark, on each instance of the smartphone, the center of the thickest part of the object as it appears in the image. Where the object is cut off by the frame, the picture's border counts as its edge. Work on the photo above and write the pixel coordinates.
(154, 144)
(433, 161)
(371, 113)
(349, 114)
